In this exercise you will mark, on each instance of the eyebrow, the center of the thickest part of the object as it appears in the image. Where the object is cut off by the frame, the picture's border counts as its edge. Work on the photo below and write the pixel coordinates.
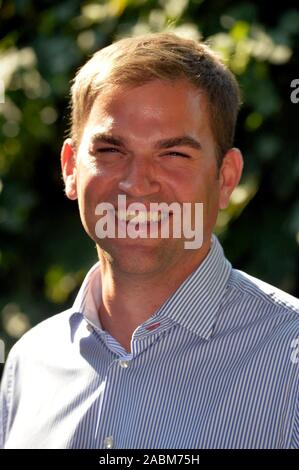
(102, 137)
(184, 140)
(180, 141)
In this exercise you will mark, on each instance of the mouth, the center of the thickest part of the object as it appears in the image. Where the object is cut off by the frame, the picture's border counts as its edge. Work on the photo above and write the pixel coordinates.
(141, 217)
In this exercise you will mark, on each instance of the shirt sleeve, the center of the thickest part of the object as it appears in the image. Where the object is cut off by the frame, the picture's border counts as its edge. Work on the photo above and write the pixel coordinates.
(5, 398)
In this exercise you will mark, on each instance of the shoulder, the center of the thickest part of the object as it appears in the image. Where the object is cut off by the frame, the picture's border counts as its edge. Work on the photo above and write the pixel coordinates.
(45, 336)
(261, 306)
(262, 293)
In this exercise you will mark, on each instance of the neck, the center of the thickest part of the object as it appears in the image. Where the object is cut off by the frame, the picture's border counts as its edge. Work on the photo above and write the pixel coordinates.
(129, 299)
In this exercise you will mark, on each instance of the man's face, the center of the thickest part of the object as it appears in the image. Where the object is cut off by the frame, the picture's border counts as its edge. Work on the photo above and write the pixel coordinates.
(128, 147)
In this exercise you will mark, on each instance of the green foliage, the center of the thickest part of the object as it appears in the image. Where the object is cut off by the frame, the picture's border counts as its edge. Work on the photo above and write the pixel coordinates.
(44, 251)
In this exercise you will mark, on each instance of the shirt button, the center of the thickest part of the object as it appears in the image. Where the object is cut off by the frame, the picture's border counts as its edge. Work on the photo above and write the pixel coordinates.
(124, 364)
(108, 442)
(89, 328)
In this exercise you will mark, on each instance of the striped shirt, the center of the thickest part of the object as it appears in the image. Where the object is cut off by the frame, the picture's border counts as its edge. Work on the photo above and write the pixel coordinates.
(216, 366)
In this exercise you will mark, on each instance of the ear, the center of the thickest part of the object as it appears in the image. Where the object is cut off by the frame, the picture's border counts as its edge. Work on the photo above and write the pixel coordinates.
(69, 170)
(230, 175)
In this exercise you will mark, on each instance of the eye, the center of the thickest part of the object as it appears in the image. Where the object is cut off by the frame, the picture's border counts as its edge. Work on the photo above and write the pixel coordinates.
(176, 154)
(107, 150)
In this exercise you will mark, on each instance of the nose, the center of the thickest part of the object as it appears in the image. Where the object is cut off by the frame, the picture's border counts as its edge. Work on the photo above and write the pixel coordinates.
(140, 179)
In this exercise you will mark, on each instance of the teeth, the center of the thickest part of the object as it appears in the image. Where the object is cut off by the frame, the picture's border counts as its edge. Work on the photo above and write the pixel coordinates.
(140, 217)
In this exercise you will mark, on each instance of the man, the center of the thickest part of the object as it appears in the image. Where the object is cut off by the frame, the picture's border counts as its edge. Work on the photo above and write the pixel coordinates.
(166, 346)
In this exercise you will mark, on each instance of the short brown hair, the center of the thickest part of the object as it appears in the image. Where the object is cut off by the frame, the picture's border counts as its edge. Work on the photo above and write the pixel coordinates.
(165, 56)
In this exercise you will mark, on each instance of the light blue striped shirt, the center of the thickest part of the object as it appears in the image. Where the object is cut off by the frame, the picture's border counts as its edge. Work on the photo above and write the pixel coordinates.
(215, 367)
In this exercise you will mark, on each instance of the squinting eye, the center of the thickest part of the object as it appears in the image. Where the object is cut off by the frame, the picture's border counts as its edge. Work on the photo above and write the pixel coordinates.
(106, 149)
(177, 154)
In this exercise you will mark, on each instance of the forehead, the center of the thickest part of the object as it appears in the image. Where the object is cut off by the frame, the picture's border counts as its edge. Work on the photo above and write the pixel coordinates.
(151, 109)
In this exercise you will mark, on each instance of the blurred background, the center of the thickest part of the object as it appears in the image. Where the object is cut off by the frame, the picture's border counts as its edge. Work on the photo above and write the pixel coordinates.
(44, 252)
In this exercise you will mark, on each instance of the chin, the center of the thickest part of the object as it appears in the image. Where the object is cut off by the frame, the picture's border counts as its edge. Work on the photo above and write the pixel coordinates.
(137, 256)
(132, 264)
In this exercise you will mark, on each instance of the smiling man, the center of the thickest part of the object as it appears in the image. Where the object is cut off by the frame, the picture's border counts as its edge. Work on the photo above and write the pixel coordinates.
(166, 346)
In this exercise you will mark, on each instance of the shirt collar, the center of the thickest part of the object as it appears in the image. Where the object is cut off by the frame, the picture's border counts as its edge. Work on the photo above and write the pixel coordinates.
(194, 305)
(89, 296)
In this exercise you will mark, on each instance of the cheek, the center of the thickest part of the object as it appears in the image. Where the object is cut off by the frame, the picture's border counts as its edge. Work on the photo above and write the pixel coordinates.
(190, 188)
(180, 183)
(206, 190)
(88, 177)
(89, 165)
(88, 189)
